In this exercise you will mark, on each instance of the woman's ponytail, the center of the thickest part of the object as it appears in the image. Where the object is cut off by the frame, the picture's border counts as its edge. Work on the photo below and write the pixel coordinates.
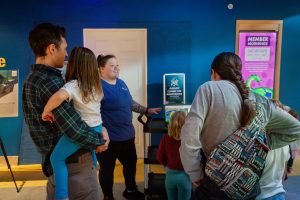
(228, 65)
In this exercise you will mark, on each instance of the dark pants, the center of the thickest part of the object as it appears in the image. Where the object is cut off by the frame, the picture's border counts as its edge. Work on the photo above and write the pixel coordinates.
(208, 190)
(125, 152)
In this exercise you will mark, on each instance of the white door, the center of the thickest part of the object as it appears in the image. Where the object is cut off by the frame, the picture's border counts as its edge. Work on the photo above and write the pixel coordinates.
(129, 46)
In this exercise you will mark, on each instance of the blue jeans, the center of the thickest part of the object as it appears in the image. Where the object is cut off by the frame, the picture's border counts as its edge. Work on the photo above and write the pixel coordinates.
(178, 185)
(63, 149)
(279, 196)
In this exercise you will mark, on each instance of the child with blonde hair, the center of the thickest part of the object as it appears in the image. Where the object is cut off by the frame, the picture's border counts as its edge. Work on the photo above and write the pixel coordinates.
(178, 184)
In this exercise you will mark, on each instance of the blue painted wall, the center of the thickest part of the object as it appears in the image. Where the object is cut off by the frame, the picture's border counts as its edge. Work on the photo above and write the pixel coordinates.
(183, 36)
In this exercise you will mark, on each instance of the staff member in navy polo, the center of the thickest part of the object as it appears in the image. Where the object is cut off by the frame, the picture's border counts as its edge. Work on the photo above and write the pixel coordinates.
(116, 109)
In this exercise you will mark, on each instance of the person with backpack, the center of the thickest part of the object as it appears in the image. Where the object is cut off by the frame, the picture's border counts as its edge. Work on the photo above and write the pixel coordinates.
(221, 107)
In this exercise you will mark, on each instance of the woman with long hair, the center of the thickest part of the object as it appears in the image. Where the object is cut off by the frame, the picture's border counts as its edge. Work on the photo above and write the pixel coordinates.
(220, 107)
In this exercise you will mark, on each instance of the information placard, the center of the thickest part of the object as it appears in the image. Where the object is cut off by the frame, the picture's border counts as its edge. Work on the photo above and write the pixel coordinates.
(9, 93)
(258, 53)
(174, 88)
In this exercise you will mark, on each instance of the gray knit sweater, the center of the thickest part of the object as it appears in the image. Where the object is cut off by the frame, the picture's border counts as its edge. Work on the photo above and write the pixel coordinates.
(215, 114)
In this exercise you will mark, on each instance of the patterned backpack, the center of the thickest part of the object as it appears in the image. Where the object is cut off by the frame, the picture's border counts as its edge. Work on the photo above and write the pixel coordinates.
(236, 164)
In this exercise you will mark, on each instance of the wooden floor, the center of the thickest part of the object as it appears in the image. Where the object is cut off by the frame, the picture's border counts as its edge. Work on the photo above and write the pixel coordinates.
(32, 181)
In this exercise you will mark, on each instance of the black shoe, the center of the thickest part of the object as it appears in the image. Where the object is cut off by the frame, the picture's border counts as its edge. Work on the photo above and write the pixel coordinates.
(108, 198)
(133, 195)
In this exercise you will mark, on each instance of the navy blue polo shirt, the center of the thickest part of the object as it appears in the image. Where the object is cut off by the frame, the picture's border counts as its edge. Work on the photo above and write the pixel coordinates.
(116, 111)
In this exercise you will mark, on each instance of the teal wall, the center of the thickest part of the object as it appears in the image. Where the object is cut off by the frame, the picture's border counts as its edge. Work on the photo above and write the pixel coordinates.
(183, 36)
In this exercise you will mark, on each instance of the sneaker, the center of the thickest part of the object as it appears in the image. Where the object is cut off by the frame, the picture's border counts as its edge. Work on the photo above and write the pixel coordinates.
(133, 195)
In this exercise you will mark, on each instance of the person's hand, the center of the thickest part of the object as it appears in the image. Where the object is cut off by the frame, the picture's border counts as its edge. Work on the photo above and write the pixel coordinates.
(105, 136)
(48, 116)
(101, 148)
(153, 110)
(197, 183)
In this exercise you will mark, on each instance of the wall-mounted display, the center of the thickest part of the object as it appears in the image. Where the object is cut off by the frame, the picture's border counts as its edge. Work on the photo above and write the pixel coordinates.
(258, 51)
(9, 93)
(174, 88)
(258, 43)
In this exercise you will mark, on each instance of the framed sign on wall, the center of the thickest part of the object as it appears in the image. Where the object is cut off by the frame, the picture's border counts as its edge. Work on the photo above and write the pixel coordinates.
(174, 88)
(9, 93)
(258, 43)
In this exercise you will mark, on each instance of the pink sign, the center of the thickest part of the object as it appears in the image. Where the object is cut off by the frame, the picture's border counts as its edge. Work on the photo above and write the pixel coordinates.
(257, 51)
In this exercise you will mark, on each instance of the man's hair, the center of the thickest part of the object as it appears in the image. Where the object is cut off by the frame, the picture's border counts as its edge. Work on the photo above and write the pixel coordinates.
(44, 34)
